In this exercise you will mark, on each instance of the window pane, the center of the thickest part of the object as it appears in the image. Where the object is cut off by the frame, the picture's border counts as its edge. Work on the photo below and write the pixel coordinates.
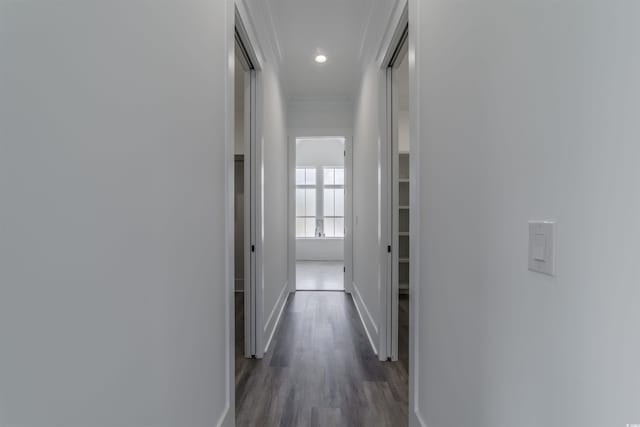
(339, 180)
(339, 227)
(310, 227)
(339, 202)
(328, 176)
(300, 202)
(311, 176)
(300, 176)
(300, 230)
(328, 202)
(329, 227)
(310, 202)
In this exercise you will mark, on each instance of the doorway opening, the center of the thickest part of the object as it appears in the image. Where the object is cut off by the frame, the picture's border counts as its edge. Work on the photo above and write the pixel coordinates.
(245, 197)
(401, 204)
(320, 213)
(397, 196)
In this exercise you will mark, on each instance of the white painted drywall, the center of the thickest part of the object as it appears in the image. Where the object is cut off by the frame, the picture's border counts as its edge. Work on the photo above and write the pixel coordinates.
(275, 173)
(404, 145)
(529, 111)
(401, 76)
(319, 152)
(320, 249)
(240, 75)
(319, 115)
(113, 178)
(366, 246)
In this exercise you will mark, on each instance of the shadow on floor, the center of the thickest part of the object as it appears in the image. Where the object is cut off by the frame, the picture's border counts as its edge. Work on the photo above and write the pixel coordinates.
(320, 371)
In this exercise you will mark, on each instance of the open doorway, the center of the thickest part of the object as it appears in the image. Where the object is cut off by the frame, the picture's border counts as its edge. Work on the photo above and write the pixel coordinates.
(320, 213)
(400, 189)
(396, 198)
(240, 199)
(246, 214)
(401, 203)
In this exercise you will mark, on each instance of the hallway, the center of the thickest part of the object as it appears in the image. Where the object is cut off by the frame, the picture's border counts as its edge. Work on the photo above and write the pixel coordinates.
(320, 371)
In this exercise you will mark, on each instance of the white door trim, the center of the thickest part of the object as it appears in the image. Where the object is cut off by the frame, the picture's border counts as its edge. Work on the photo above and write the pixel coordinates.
(409, 10)
(348, 214)
(348, 219)
(253, 295)
(388, 217)
(415, 283)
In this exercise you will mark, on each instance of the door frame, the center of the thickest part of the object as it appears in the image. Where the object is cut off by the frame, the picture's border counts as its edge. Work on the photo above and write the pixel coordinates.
(348, 200)
(251, 56)
(395, 42)
(404, 12)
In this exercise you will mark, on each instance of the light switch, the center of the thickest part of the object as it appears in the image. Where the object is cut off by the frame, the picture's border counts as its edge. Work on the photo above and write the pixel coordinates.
(542, 247)
(539, 247)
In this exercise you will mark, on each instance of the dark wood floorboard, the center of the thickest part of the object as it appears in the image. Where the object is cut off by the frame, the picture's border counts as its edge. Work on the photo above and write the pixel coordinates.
(320, 370)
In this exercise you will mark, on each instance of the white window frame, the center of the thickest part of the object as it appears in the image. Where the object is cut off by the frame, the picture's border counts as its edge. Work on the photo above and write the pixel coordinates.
(333, 187)
(319, 217)
(305, 186)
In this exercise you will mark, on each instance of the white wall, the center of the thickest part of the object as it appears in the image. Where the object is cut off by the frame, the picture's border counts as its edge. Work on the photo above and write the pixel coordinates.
(320, 249)
(366, 245)
(528, 110)
(275, 172)
(320, 152)
(239, 93)
(317, 117)
(404, 145)
(114, 170)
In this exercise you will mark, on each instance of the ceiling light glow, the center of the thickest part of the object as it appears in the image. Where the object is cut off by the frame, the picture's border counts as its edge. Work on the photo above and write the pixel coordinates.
(321, 59)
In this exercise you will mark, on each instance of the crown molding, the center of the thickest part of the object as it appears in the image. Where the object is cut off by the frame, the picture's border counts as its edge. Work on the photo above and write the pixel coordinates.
(382, 15)
(258, 17)
(396, 15)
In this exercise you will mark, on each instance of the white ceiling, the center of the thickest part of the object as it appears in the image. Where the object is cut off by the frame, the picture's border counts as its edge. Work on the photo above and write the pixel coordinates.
(332, 27)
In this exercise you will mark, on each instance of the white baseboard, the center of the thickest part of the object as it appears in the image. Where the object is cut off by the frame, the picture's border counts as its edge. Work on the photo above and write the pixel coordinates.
(360, 307)
(416, 419)
(226, 419)
(271, 325)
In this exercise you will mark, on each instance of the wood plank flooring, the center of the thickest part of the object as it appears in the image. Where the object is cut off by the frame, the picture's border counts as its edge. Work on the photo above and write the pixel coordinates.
(319, 276)
(320, 371)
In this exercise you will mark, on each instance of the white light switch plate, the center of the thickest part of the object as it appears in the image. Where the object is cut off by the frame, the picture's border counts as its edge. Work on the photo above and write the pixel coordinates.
(542, 247)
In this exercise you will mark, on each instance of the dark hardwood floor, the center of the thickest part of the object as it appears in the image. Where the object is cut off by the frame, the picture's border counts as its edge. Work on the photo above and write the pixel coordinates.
(319, 371)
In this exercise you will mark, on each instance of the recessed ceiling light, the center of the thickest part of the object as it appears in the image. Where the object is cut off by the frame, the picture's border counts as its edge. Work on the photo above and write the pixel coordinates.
(321, 59)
